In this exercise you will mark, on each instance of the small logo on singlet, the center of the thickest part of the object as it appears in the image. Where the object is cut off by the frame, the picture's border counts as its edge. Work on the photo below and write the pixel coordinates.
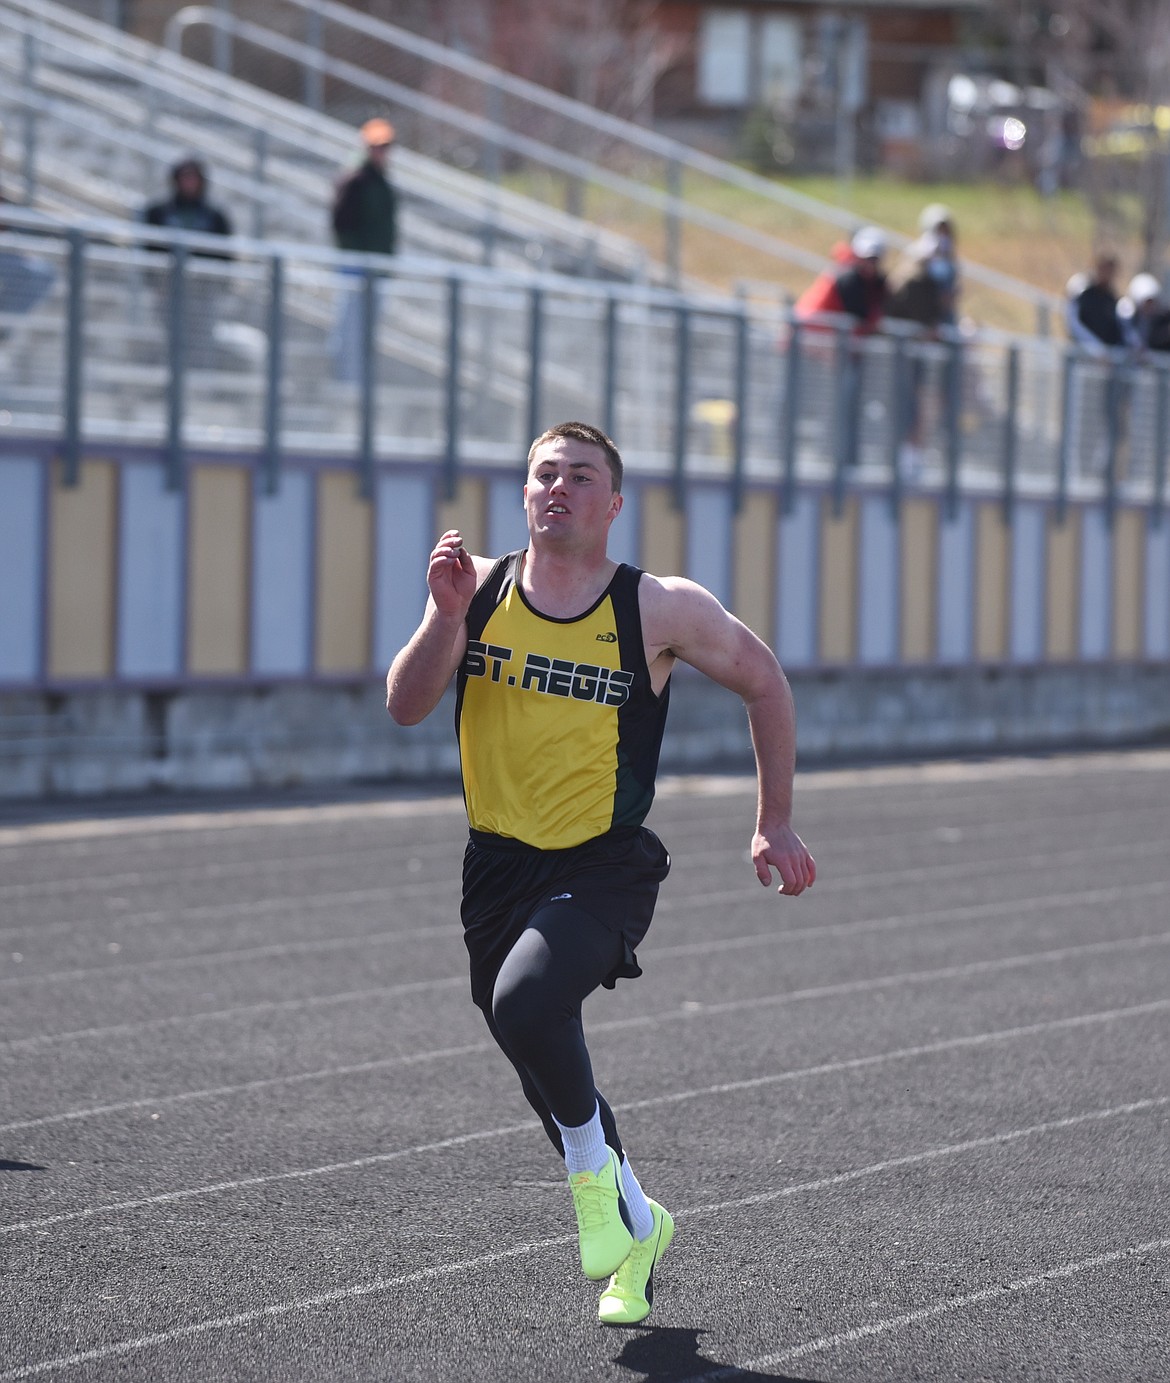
(559, 897)
(608, 637)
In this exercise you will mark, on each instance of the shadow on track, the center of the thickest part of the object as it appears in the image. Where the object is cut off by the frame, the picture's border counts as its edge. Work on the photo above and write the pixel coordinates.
(671, 1355)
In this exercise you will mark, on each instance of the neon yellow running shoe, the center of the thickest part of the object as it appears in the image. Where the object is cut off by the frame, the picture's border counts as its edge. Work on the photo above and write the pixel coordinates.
(603, 1221)
(630, 1294)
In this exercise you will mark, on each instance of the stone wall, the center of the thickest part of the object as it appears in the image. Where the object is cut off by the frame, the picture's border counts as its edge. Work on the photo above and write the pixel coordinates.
(92, 742)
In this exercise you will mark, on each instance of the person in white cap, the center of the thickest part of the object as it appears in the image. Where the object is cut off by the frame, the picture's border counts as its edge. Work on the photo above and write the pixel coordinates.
(1144, 314)
(856, 289)
(935, 248)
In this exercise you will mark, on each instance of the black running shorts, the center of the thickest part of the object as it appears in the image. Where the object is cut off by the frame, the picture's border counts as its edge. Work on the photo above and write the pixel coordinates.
(614, 878)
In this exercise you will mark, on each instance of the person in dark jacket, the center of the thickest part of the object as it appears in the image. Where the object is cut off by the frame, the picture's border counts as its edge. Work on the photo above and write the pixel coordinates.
(857, 289)
(1093, 320)
(922, 300)
(187, 208)
(1145, 315)
(365, 220)
(365, 205)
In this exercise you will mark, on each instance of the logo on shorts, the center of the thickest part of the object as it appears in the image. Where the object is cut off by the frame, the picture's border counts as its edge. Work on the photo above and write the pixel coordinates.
(559, 897)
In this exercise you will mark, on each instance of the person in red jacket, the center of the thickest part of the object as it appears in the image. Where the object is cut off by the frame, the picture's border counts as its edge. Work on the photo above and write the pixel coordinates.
(856, 289)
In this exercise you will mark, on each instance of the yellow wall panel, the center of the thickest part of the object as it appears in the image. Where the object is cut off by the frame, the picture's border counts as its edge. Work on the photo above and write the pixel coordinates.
(919, 579)
(83, 526)
(1129, 545)
(992, 574)
(344, 574)
(218, 563)
(663, 535)
(840, 542)
(468, 513)
(755, 564)
(1062, 587)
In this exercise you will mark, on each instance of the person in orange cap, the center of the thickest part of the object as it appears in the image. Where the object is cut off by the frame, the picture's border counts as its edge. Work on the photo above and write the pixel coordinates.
(365, 219)
(365, 206)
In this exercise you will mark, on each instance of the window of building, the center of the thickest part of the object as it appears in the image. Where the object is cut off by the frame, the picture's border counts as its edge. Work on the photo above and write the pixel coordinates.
(780, 49)
(745, 59)
(724, 66)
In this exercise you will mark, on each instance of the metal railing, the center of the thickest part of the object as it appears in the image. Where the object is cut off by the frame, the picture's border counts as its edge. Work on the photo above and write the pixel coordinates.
(464, 109)
(94, 118)
(119, 333)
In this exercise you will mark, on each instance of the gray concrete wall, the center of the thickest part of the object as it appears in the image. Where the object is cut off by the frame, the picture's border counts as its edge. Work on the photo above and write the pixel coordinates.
(88, 743)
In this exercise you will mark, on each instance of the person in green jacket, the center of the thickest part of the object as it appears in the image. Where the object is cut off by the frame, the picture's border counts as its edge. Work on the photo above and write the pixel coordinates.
(365, 220)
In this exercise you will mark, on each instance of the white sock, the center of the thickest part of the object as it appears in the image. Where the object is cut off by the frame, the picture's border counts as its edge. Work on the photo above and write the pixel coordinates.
(585, 1146)
(636, 1202)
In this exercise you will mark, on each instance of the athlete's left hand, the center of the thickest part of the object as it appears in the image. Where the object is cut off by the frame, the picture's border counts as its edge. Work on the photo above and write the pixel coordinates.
(779, 847)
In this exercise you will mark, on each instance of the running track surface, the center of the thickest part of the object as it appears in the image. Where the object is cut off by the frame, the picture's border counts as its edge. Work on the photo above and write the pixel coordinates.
(913, 1125)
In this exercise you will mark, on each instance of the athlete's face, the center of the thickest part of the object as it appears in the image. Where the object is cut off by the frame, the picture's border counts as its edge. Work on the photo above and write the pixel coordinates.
(570, 494)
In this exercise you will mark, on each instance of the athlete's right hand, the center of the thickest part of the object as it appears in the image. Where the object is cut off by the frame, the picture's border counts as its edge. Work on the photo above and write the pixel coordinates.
(451, 576)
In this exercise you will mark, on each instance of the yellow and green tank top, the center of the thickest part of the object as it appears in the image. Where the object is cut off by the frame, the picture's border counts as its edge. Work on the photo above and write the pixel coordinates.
(559, 729)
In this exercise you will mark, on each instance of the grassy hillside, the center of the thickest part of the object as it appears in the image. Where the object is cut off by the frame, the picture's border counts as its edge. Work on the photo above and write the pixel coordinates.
(1007, 227)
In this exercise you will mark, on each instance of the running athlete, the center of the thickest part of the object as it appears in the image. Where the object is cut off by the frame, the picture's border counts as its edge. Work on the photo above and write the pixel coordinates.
(564, 659)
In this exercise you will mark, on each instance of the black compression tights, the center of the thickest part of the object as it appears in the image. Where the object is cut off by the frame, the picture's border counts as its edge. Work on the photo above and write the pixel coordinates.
(562, 955)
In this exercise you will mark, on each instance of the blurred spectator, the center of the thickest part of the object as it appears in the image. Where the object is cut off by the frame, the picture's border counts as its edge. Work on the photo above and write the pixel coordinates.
(857, 289)
(187, 208)
(918, 293)
(365, 219)
(365, 204)
(24, 279)
(1093, 320)
(935, 247)
(1145, 315)
(922, 298)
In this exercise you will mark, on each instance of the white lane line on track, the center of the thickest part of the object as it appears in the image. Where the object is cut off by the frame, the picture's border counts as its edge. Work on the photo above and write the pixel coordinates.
(340, 1294)
(671, 785)
(115, 969)
(963, 912)
(655, 1101)
(652, 1020)
(940, 1308)
(681, 832)
(933, 917)
(391, 893)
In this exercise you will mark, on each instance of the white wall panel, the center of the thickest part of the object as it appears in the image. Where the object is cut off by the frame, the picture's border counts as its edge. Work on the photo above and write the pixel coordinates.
(878, 595)
(708, 539)
(1026, 592)
(796, 582)
(507, 526)
(956, 585)
(1157, 611)
(403, 538)
(21, 567)
(282, 564)
(150, 574)
(1096, 584)
(625, 539)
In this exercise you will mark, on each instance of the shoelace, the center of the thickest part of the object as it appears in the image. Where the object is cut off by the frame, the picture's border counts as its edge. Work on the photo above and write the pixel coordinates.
(634, 1264)
(590, 1202)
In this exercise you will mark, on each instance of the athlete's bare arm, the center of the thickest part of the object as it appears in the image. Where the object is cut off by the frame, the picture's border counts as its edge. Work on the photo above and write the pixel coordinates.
(419, 675)
(683, 620)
